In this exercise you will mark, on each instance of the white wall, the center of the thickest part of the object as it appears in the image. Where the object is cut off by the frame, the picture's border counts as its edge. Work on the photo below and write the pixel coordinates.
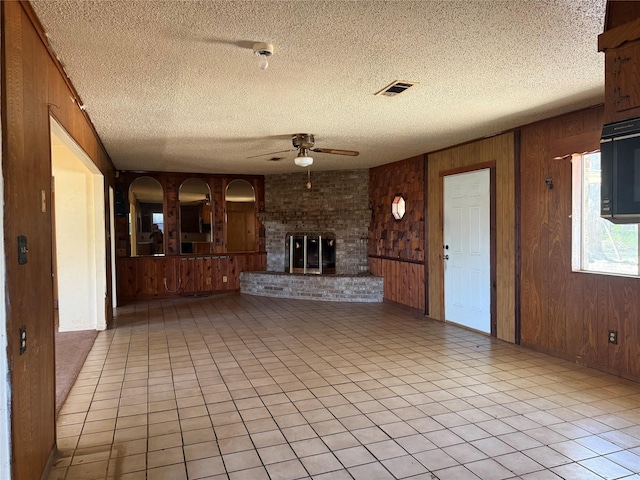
(5, 387)
(80, 238)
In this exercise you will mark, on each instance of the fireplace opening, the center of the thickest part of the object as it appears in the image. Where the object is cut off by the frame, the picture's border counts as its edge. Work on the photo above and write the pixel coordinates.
(313, 253)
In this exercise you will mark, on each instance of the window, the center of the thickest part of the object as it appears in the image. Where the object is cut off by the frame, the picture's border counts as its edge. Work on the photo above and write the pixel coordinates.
(158, 219)
(398, 207)
(597, 244)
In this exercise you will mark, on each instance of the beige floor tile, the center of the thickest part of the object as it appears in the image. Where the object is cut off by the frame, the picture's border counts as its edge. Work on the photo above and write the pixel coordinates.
(167, 456)
(238, 387)
(257, 473)
(456, 473)
(197, 451)
(230, 430)
(131, 433)
(286, 470)
(95, 439)
(97, 415)
(276, 454)
(405, 466)
(369, 471)
(165, 441)
(605, 468)
(268, 438)
(241, 460)
(489, 469)
(169, 472)
(518, 463)
(235, 444)
(302, 432)
(88, 471)
(435, 459)
(133, 447)
(120, 466)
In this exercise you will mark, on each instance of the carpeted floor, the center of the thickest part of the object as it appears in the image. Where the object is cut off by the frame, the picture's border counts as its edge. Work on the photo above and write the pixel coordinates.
(72, 349)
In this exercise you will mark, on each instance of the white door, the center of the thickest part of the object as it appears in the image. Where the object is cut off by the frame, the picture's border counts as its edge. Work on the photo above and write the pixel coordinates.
(467, 249)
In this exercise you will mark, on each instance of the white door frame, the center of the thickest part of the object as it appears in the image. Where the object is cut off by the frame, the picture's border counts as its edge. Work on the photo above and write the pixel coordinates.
(80, 235)
(112, 237)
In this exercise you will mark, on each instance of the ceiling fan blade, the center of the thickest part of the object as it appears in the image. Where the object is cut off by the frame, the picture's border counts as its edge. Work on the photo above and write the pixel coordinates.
(273, 153)
(336, 151)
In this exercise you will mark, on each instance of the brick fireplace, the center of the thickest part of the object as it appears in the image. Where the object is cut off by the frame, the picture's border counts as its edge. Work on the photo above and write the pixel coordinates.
(337, 203)
(332, 217)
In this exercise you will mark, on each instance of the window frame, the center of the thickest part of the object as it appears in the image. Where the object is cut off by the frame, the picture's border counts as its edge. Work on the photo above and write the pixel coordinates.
(578, 224)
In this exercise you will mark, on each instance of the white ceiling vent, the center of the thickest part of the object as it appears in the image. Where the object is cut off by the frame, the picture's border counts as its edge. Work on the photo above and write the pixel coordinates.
(396, 88)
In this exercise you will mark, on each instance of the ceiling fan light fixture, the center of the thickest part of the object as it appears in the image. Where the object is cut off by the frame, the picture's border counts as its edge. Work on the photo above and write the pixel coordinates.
(303, 160)
(263, 51)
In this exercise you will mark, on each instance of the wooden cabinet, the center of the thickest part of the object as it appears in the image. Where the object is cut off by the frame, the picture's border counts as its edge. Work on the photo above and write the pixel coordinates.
(620, 43)
(622, 82)
(206, 214)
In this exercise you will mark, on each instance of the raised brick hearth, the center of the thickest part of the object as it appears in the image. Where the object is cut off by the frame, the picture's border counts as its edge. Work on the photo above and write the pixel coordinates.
(337, 288)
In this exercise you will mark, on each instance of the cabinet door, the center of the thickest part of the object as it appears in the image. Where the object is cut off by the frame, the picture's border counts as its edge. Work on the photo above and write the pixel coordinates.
(622, 67)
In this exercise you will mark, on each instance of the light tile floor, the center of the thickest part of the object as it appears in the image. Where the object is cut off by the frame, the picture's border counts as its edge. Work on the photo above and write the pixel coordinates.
(254, 388)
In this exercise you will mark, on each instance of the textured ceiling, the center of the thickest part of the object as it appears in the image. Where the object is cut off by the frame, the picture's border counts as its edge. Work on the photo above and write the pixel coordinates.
(175, 86)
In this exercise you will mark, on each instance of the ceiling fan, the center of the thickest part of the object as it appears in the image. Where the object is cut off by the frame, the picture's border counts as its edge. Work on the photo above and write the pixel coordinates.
(304, 143)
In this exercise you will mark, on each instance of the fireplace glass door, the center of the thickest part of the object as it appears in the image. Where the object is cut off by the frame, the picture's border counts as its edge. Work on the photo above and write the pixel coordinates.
(310, 253)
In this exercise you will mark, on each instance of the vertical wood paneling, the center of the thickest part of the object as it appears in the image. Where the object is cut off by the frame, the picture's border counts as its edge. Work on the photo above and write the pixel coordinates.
(582, 320)
(403, 281)
(396, 247)
(621, 315)
(32, 84)
(219, 241)
(563, 312)
(144, 277)
(559, 256)
(170, 186)
(505, 242)
(498, 149)
(534, 236)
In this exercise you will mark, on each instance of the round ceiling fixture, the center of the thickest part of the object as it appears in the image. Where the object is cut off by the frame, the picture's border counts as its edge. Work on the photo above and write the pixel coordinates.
(303, 159)
(263, 51)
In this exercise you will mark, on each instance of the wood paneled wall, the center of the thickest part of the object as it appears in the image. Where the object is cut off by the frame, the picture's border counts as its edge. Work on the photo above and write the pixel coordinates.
(143, 277)
(171, 185)
(154, 277)
(563, 312)
(403, 281)
(33, 87)
(396, 248)
(501, 150)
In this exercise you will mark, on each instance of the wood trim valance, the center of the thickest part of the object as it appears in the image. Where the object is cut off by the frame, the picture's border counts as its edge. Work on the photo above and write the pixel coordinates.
(617, 36)
(566, 146)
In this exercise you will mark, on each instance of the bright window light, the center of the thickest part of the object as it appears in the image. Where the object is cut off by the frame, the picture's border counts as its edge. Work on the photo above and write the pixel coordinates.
(597, 244)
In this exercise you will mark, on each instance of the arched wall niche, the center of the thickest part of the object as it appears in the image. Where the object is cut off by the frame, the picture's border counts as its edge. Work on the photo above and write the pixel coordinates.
(146, 217)
(240, 206)
(194, 198)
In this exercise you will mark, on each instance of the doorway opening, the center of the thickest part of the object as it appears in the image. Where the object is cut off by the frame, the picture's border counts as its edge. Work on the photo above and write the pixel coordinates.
(79, 256)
